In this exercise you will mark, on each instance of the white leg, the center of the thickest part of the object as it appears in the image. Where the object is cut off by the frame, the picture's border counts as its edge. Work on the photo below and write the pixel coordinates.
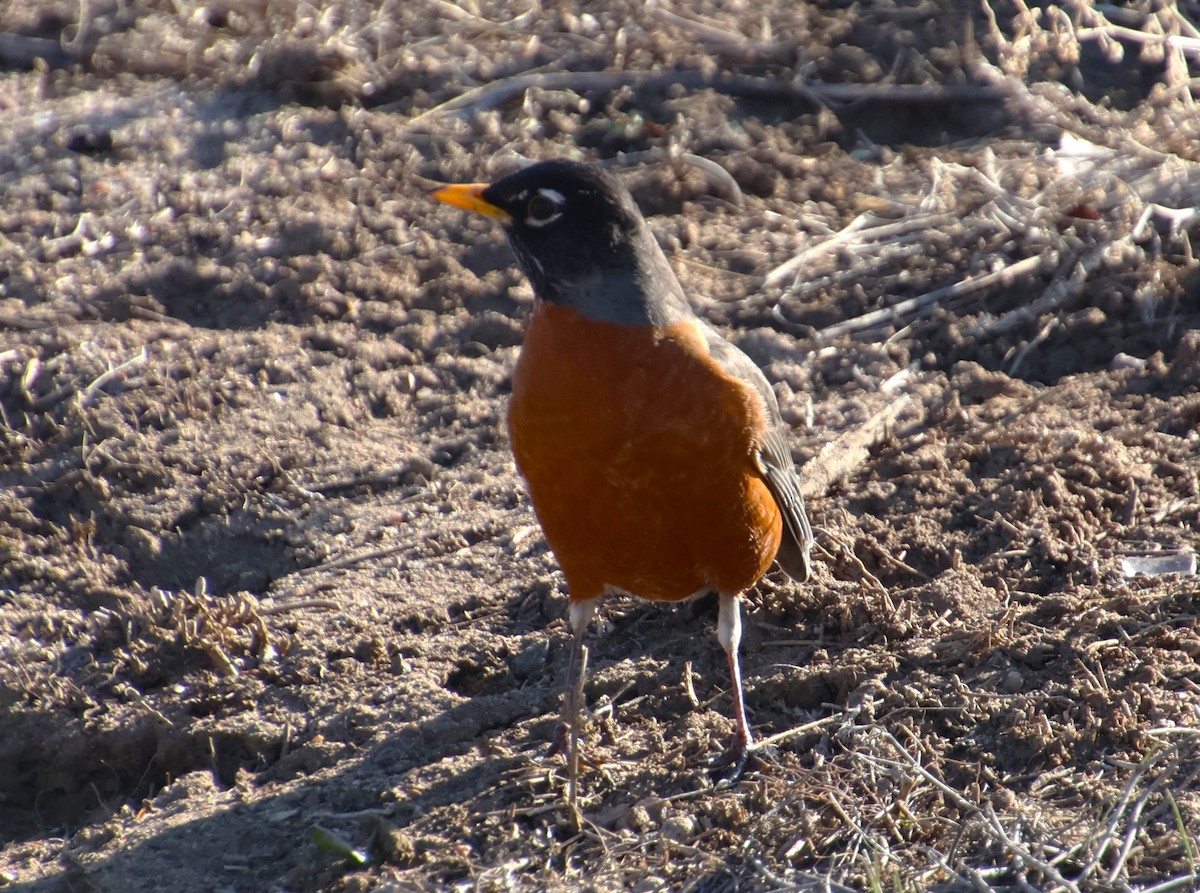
(729, 633)
(580, 615)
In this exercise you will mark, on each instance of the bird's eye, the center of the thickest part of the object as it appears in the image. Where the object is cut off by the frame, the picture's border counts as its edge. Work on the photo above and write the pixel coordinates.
(543, 207)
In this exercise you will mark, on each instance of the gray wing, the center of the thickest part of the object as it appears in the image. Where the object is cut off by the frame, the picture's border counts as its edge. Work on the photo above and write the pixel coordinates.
(775, 461)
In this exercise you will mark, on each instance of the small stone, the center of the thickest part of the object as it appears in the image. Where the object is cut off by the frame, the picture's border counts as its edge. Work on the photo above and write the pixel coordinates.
(529, 660)
(679, 828)
(1013, 682)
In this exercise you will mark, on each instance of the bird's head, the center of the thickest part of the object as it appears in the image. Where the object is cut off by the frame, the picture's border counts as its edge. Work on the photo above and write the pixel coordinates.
(578, 237)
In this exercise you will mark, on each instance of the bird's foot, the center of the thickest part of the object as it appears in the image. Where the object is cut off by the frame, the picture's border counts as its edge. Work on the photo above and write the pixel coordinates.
(728, 768)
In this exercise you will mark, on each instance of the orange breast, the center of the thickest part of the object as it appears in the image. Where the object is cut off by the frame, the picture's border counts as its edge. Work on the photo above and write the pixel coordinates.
(638, 449)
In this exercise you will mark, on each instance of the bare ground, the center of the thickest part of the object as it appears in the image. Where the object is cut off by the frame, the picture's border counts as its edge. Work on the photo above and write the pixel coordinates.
(275, 613)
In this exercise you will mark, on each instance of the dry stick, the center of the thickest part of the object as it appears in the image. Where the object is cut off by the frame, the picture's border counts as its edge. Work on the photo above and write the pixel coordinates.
(714, 171)
(840, 457)
(1053, 298)
(496, 93)
(1066, 115)
(1183, 882)
(1119, 811)
(987, 814)
(1168, 731)
(1185, 26)
(1004, 277)
(722, 41)
(20, 51)
(859, 229)
(1177, 218)
(1133, 826)
(114, 373)
(717, 174)
(13, 321)
(978, 880)
(1029, 348)
(351, 560)
(1023, 854)
(844, 716)
(520, 22)
(300, 604)
(873, 262)
(1188, 45)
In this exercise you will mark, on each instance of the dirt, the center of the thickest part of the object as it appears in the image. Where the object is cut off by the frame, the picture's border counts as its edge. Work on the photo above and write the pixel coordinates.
(275, 613)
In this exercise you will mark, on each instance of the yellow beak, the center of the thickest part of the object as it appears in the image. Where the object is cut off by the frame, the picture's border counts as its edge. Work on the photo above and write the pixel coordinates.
(469, 197)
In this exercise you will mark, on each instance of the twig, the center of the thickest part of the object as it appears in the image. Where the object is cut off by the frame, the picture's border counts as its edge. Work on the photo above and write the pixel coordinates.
(840, 457)
(717, 174)
(846, 553)
(865, 228)
(1108, 837)
(1052, 298)
(1067, 114)
(954, 796)
(1167, 731)
(878, 263)
(1183, 882)
(1042, 335)
(804, 729)
(13, 321)
(300, 604)
(722, 41)
(714, 171)
(1132, 827)
(976, 877)
(1004, 277)
(1177, 218)
(491, 95)
(915, 94)
(1189, 46)
(21, 51)
(1022, 853)
(114, 373)
(796, 882)
(521, 22)
(350, 560)
(1019, 851)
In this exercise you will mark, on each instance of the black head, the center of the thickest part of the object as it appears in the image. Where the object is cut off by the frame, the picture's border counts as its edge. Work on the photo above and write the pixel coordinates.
(567, 222)
(559, 204)
(580, 239)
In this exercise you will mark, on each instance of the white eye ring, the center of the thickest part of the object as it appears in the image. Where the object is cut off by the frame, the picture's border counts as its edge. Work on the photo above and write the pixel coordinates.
(545, 206)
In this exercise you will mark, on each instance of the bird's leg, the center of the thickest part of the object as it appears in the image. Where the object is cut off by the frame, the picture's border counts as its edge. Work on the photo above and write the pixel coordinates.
(567, 737)
(574, 696)
(729, 633)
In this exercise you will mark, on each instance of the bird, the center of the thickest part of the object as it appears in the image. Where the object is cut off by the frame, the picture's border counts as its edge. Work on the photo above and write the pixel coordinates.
(653, 449)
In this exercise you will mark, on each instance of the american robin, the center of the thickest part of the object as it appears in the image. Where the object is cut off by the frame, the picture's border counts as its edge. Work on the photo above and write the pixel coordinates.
(653, 449)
